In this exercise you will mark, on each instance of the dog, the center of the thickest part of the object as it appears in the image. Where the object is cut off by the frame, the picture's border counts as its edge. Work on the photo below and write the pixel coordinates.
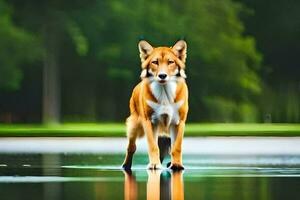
(159, 105)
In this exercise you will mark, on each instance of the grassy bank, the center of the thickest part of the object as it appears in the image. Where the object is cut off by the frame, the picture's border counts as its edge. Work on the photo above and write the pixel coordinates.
(118, 130)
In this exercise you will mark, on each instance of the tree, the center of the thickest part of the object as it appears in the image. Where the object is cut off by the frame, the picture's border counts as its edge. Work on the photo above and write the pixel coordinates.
(223, 63)
(17, 48)
(226, 63)
(90, 55)
(51, 20)
(275, 25)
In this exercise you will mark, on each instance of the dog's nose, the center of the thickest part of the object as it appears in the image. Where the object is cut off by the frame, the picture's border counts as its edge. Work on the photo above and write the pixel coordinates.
(162, 76)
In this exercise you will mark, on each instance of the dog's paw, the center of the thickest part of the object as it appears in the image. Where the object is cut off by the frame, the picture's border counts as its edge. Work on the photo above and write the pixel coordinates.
(154, 166)
(175, 166)
(126, 167)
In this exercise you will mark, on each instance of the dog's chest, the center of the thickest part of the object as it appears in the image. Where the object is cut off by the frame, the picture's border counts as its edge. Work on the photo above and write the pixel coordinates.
(164, 94)
(165, 110)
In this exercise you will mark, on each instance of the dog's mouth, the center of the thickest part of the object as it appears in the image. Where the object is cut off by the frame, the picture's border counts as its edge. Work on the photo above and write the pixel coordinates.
(162, 81)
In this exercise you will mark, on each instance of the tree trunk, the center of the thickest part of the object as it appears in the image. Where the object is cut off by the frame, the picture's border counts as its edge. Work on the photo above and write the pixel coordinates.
(51, 76)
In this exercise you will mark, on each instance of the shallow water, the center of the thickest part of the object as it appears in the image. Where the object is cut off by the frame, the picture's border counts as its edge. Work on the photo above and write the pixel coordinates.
(93, 176)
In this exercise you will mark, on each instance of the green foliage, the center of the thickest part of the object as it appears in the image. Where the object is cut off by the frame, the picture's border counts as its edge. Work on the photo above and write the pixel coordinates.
(17, 47)
(79, 40)
(220, 108)
(282, 105)
(248, 112)
(98, 52)
(226, 57)
(226, 110)
(221, 60)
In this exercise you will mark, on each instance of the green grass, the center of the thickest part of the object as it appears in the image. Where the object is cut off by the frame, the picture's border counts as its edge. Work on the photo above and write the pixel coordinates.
(118, 130)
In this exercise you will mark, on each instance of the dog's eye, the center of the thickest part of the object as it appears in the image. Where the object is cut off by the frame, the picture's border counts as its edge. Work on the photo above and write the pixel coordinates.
(170, 62)
(155, 62)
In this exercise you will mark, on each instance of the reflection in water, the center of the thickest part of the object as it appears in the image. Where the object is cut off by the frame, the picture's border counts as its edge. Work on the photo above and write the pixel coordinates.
(177, 186)
(160, 185)
(153, 184)
(77, 177)
(130, 186)
(51, 191)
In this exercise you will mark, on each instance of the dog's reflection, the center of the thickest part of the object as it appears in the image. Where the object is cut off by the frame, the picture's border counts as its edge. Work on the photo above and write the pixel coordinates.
(160, 185)
(130, 186)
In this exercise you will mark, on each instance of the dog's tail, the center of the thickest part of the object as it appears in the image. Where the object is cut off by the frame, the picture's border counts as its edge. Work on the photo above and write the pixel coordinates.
(164, 144)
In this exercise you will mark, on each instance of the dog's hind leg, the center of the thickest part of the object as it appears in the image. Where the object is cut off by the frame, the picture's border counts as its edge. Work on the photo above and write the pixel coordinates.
(129, 154)
(164, 145)
(133, 129)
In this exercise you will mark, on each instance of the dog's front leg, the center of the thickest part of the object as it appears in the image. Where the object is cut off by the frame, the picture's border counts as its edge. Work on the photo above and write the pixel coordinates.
(153, 150)
(176, 152)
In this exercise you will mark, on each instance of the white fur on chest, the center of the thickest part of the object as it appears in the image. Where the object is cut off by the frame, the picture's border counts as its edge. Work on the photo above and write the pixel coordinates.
(166, 114)
(165, 110)
(164, 94)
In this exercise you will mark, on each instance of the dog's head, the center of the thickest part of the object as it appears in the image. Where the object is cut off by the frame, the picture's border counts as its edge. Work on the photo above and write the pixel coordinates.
(162, 64)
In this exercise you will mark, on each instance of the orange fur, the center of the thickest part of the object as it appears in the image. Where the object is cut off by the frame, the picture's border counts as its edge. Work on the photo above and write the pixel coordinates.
(171, 186)
(170, 61)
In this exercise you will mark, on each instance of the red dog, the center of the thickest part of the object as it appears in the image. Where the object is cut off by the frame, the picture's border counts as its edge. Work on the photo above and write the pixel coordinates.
(159, 104)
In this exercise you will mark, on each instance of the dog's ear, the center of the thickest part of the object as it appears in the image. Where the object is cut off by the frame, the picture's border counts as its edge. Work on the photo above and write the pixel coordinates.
(180, 50)
(145, 49)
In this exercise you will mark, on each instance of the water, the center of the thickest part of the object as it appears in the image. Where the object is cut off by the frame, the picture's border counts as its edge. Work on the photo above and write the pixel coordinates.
(98, 176)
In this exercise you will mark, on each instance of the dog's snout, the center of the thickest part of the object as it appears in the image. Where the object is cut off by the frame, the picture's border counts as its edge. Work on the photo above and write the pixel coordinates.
(162, 76)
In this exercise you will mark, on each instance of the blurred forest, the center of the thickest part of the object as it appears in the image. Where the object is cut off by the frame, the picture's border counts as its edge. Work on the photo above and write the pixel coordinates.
(63, 60)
